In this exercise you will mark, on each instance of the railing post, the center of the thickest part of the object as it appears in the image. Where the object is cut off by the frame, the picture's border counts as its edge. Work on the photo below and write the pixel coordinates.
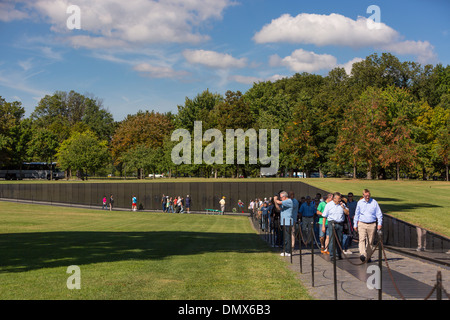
(439, 286)
(380, 264)
(283, 234)
(334, 259)
(300, 246)
(291, 224)
(312, 255)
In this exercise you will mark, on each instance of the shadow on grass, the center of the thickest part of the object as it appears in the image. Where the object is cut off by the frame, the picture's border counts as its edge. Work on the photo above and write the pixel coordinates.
(30, 251)
(388, 207)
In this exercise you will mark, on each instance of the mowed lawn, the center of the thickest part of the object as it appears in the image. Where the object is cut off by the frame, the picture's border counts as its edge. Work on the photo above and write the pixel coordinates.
(422, 203)
(137, 255)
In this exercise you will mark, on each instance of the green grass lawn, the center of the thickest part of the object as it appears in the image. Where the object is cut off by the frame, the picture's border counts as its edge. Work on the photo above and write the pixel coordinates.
(422, 203)
(136, 255)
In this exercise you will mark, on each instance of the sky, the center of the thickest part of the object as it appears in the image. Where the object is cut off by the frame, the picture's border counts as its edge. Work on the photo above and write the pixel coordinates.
(150, 55)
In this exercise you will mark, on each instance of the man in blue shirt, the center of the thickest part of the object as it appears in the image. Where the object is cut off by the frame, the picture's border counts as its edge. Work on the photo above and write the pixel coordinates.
(285, 206)
(335, 212)
(368, 218)
(307, 211)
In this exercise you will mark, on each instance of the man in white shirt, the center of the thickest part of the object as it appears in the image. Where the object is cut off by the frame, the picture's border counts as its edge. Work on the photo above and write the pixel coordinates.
(335, 212)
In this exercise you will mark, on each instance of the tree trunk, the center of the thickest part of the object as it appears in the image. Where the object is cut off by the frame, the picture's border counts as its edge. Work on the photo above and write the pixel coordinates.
(354, 168)
(398, 171)
(369, 171)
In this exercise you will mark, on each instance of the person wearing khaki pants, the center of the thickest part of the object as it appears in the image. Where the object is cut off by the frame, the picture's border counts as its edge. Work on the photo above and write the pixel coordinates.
(366, 235)
(368, 218)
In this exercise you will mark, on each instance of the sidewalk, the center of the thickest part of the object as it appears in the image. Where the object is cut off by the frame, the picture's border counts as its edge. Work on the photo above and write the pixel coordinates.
(413, 278)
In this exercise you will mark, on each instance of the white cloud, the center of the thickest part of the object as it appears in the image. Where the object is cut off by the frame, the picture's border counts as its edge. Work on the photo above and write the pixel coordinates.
(95, 42)
(17, 82)
(154, 71)
(49, 53)
(9, 13)
(304, 61)
(308, 61)
(115, 22)
(338, 30)
(321, 30)
(349, 65)
(244, 79)
(26, 64)
(422, 49)
(250, 80)
(214, 59)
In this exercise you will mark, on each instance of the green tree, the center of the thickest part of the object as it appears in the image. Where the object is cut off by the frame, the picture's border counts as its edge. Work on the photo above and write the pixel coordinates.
(12, 131)
(144, 128)
(43, 147)
(142, 159)
(298, 147)
(61, 111)
(383, 71)
(83, 152)
(197, 109)
(232, 113)
(377, 130)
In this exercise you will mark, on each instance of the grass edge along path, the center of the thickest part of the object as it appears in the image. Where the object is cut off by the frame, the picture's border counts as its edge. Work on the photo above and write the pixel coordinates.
(136, 255)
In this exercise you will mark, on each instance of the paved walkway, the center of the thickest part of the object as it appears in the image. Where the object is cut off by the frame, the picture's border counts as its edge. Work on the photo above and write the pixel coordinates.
(412, 278)
(407, 274)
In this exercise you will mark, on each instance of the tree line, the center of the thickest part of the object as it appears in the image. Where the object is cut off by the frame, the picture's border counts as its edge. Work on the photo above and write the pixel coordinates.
(387, 119)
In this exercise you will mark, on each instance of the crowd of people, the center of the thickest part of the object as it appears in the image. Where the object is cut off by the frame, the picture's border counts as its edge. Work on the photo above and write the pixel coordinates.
(176, 204)
(285, 216)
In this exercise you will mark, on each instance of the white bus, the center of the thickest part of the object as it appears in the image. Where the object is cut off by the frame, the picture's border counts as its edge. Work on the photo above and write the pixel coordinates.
(31, 170)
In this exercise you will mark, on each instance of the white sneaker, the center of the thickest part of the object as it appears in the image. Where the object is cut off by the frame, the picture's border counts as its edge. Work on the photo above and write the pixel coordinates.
(348, 252)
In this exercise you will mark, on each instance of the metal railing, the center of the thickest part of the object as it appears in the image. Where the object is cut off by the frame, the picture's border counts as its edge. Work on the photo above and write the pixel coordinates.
(271, 231)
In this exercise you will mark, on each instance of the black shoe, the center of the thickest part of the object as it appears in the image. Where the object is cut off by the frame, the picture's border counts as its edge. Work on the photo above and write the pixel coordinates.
(369, 261)
(362, 258)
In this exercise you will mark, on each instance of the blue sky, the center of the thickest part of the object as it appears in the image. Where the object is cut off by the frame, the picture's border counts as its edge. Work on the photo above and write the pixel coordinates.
(150, 55)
